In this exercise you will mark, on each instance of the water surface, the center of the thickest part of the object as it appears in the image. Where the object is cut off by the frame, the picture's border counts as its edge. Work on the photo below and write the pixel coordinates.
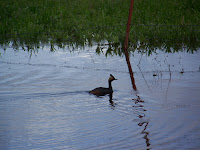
(44, 100)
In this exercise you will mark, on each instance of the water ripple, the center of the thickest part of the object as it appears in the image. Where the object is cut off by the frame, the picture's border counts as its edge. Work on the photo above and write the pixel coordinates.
(47, 106)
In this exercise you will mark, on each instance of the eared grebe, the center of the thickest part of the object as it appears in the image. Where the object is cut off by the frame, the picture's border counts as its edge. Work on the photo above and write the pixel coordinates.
(101, 91)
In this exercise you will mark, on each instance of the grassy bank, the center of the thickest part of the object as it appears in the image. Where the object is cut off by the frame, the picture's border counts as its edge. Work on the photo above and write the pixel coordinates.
(169, 22)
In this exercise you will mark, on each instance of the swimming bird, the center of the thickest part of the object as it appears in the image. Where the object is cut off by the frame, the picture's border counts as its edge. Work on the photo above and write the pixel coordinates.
(101, 91)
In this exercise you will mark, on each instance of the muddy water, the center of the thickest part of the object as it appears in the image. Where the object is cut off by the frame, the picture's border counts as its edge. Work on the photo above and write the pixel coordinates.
(44, 101)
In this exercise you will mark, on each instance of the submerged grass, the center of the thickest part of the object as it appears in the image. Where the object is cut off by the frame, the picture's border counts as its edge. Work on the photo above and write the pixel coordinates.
(172, 23)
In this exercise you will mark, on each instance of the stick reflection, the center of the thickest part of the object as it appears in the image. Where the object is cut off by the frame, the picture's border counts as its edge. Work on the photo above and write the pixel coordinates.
(140, 114)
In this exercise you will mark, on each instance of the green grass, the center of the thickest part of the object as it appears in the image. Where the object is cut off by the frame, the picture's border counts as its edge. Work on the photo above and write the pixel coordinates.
(61, 22)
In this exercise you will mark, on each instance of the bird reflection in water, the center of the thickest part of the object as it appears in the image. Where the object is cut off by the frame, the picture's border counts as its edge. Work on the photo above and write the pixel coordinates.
(111, 100)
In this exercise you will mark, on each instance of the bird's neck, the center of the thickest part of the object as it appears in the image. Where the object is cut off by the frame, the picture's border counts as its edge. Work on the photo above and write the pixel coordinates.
(110, 85)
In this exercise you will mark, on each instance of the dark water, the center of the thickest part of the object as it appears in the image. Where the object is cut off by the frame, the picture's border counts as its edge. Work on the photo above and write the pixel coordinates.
(44, 103)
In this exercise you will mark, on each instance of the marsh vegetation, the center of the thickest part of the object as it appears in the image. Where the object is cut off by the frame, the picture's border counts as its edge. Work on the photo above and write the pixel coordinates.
(166, 23)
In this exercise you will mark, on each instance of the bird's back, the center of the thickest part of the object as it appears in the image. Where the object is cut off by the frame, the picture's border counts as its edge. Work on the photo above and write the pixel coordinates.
(101, 91)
